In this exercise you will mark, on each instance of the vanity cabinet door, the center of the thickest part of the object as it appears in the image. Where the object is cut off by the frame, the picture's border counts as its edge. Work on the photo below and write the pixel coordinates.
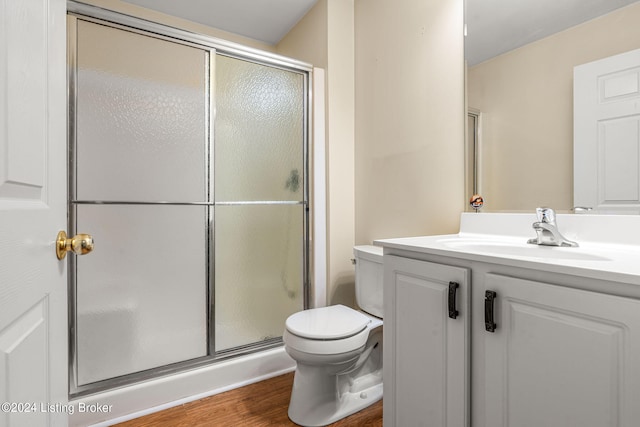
(426, 351)
(561, 357)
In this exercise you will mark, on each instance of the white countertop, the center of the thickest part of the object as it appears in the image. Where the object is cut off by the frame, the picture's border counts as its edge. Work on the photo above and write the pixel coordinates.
(609, 245)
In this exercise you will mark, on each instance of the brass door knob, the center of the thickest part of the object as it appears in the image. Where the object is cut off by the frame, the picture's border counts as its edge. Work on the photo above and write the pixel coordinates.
(80, 244)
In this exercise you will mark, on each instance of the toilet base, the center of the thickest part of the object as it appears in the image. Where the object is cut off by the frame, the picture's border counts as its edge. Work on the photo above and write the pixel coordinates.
(329, 387)
(308, 411)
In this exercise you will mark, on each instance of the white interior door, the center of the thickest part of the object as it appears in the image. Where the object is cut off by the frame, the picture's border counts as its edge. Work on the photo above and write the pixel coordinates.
(33, 317)
(607, 134)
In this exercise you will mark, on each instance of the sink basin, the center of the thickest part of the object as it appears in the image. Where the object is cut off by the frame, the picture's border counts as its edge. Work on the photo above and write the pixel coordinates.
(520, 249)
(609, 246)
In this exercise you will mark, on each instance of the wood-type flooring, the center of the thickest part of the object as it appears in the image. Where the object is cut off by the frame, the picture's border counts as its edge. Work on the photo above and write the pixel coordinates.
(261, 404)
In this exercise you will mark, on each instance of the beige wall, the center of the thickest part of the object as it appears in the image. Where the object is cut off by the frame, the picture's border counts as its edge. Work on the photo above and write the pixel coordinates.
(325, 38)
(308, 40)
(395, 155)
(526, 98)
(409, 118)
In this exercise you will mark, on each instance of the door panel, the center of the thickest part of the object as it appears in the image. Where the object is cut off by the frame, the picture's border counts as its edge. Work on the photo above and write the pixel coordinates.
(607, 134)
(142, 125)
(140, 159)
(142, 295)
(547, 337)
(24, 66)
(24, 338)
(33, 310)
(426, 351)
(259, 271)
(258, 132)
(260, 196)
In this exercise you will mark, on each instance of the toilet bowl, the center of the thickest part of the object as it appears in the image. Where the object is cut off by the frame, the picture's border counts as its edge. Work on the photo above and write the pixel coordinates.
(338, 351)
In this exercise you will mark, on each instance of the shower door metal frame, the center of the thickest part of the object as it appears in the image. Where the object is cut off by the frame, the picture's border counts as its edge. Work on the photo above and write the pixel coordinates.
(80, 11)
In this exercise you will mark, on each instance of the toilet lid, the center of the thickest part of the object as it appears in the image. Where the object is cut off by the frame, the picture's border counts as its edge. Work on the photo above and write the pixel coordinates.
(333, 322)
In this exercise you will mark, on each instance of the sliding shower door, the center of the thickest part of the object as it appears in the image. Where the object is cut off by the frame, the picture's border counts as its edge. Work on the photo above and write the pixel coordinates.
(188, 166)
(259, 200)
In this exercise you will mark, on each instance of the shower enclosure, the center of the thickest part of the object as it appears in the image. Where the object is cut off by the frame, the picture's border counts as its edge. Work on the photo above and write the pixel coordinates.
(188, 164)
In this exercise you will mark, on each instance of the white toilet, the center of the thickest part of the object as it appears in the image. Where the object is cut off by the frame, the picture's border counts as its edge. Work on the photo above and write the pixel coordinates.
(338, 350)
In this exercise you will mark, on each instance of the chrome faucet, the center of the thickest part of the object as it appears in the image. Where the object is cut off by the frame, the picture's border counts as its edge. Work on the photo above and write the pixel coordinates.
(547, 230)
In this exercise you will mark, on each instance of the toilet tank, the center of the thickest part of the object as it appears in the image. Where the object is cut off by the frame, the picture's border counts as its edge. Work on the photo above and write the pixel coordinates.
(369, 278)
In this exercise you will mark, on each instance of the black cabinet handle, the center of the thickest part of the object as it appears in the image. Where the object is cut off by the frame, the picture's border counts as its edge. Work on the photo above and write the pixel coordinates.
(453, 313)
(489, 323)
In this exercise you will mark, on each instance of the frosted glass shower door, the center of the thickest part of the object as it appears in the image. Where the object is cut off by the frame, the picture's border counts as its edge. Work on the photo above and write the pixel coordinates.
(260, 200)
(141, 188)
(188, 165)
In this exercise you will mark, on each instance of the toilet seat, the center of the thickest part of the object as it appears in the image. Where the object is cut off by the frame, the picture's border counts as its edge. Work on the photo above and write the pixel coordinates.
(327, 330)
(327, 323)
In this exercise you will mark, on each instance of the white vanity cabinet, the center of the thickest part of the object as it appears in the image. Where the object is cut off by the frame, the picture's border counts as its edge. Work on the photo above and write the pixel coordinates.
(565, 350)
(559, 356)
(426, 351)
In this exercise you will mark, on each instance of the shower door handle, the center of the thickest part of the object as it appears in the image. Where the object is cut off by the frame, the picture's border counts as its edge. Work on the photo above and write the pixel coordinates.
(80, 244)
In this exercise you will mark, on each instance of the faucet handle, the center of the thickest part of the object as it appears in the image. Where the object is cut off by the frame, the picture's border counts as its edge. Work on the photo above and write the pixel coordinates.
(546, 215)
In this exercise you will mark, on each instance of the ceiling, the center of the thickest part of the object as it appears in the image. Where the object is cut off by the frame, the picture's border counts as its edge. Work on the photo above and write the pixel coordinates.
(498, 26)
(265, 20)
(493, 26)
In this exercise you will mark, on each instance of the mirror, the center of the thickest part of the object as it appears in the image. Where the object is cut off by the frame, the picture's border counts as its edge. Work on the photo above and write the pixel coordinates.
(520, 57)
